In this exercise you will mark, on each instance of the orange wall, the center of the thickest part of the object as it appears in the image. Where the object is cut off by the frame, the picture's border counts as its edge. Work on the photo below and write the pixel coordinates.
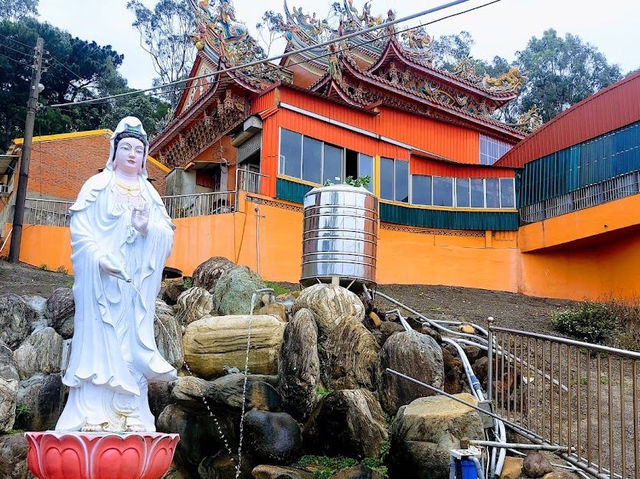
(601, 267)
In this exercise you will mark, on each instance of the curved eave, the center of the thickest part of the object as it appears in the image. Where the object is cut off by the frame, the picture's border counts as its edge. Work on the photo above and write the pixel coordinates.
(394, 49)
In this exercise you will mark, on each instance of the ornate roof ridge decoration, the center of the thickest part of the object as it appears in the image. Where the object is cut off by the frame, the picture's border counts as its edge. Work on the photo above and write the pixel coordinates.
(227, 42)
(348, 82)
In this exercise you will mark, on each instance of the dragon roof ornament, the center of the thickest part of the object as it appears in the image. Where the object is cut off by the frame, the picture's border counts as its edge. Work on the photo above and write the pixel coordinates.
(222, 37)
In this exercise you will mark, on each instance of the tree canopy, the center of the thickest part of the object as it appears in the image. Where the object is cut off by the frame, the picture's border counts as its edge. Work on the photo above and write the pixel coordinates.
(17, 9)
(73, 70)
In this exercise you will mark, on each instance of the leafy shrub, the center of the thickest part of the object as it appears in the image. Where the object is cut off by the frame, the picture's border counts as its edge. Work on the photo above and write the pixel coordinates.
(591, 322)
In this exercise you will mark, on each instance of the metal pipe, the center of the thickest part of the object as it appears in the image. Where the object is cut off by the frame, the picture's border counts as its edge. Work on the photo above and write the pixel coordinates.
(490, 357)
(517, 445)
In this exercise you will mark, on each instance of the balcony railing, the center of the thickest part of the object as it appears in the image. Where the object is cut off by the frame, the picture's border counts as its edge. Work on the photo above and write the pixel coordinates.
(39, 211)
(247, 180)
(586, 197)
(200, 204)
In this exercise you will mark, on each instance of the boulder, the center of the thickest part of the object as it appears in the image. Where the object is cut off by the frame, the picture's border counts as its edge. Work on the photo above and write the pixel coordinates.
(560, 475)
(60, 311)
(193, 304)
(41, 352)
(9, 382)
(13, 457)
(188, 393)
(168, 334)
(275, 309)
(280, 472)
(299, 366)
(424, 432)
(222, 466)
(172, 291)
(536, 464)
(212, 343)
(40, 401)
(512, 468)
(207, 274)
(329, 303)
(229, 390)
(387, 329)
(481, 369)
(272, 436)
(16, 318)
(234, 290)
(39, 305)
(414, 354)
(359, 471)
(349, 423)
(348, 356)
(159, 396)
(454, 375)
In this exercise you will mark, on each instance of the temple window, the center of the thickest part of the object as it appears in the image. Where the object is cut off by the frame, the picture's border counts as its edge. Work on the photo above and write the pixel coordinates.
(491, 149)
(477, 193)
(312, 160)
(462, 192)
(402, 181)
(386, 178)
(332, 164)
(507, 193)
(394, 180)
(492, 186)
(421, 190)
(365, 168)
(291, 153)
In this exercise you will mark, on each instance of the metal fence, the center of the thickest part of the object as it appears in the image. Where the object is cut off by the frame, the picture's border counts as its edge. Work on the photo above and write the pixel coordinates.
(200, 204)
(247, 180)
(46, 212)
(585, 197)
(573, 394)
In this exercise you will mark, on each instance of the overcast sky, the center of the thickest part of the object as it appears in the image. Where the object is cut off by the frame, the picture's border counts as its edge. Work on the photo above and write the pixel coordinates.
(499, 29)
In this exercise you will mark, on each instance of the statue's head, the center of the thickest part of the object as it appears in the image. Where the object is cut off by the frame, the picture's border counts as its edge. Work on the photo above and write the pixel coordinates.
(129, 141)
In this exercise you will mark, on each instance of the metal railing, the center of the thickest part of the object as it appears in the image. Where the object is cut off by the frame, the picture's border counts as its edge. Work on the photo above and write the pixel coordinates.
(200, 204)
(247, 180)
(586, 197)
(573, 394)
(39, 211)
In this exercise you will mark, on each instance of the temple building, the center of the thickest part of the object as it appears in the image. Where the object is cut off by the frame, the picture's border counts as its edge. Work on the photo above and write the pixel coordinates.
(465, 199)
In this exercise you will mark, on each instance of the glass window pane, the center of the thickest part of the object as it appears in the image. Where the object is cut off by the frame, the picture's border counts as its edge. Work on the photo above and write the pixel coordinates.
(442, 191)
(311, 160)
(421, 190)
(402, 181)
(506, 193)
(290, 153)
(462, 192)
(493, 193)
(365, 168)
(386, 178)
(332, 164)
(477, 193)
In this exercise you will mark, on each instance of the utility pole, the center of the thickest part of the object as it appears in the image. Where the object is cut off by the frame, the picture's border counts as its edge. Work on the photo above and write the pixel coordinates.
(21, 193)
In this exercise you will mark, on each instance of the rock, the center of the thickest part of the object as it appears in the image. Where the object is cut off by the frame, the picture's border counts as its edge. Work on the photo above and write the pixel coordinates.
(199, 435)
(272, 436)
(375, 319)
(13, 457)
(168, 334)
(228, 391)
(454, 375)
(214, 342)
(221, 466)
(174, 473)
(208, 273)
(188, 392)
(329, 304)
(467, 328)
(512, 468)
(9, 382)
(349, 423)
(195, 303)
(481, 368)
(473, 353)
(233, 291)
(415, 355)
(41, 352)
(16, 318)
(275, 309)
(60, 311)
(40, 400)
(349, 356)
(424, 329)
(559, 475)
(424, 432)
(536, 464)
(387, 329)
(299, 365)
(359, 471)
(280, 472)
(159, 396)
(172, 291)
(39, 305)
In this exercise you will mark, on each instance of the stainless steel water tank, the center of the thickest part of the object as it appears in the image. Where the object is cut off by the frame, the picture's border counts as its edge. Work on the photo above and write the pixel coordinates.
(340, 235)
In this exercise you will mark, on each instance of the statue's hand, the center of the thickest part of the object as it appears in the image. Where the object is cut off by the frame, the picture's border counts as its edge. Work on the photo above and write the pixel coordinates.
(111, 266)
(140, 219)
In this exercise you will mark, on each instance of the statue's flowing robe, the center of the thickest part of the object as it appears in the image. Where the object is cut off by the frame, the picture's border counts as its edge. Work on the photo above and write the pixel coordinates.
(114, 353)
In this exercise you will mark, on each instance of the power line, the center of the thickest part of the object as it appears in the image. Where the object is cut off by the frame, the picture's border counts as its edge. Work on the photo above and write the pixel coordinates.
(16, 50)
(277, 57)
(19, 62)
(65, 66)
(30, 47)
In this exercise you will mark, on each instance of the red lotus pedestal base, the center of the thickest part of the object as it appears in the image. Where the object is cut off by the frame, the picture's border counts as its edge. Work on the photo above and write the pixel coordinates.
(76, 455)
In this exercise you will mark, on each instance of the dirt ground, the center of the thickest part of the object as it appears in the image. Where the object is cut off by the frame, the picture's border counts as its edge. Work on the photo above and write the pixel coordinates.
(509, 310)
(25, 280)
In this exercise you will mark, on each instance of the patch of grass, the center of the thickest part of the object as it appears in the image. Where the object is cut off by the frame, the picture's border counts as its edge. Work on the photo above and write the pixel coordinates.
(277, 289)
(62, 269)
(43, 267)
(591, 322)
(375, 465)
(187, 282)
(322, 392)
(324, 466)
(68, 283)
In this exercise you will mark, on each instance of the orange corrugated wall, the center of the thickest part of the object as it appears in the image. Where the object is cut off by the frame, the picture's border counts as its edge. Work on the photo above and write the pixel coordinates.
(424, 166)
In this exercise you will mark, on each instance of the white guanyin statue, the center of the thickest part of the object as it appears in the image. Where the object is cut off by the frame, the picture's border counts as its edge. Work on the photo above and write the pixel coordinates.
(121, 236)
